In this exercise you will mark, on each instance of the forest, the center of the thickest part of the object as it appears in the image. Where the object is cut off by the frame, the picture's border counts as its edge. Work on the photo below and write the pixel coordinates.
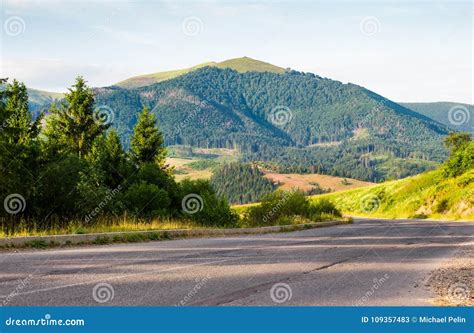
(292, 121)
(69, 165)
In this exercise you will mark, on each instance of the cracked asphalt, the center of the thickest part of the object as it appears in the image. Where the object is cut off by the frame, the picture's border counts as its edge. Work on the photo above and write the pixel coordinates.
(370, 262)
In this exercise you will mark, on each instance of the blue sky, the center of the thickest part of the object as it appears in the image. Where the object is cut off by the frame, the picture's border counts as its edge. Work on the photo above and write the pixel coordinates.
(406, 51)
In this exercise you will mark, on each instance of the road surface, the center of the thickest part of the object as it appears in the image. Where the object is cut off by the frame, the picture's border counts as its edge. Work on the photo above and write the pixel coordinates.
(371, 262)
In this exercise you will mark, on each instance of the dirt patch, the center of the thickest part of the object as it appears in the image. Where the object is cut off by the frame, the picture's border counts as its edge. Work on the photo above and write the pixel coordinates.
(454, 282)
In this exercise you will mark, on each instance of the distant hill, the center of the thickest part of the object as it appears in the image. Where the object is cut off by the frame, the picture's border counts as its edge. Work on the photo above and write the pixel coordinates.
(291, 122)
(462, 115)
(39, 99)
(241, 65)
(435, 194)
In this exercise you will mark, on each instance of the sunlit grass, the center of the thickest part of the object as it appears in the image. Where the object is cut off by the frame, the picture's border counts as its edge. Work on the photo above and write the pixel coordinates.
(101, 225)
(428, 195)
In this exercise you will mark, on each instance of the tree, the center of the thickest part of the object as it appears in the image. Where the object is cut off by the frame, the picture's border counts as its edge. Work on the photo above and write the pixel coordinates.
(75, 124)
(147, 141)
(108, 162)
(19, 149)
(456, 140)
(18, 122)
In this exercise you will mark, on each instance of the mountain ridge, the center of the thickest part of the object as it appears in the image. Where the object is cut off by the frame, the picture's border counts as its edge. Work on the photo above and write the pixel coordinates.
(221, 108)
(243, 64)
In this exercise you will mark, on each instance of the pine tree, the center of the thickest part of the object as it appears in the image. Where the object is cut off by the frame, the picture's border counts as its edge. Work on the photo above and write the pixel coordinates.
(147, 144)
(19, 149)
(109, 166)
(18, 123)
(76, 124)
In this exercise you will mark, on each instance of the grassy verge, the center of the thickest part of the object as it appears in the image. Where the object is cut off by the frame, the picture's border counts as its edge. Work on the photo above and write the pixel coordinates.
(100, 226)
(428, 195)
(134, 237)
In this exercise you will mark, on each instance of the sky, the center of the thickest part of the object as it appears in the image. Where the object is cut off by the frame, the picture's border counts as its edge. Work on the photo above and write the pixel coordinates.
(404, 50)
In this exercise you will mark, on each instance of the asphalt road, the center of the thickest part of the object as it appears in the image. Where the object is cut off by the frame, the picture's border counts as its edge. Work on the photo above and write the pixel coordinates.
(371, 262)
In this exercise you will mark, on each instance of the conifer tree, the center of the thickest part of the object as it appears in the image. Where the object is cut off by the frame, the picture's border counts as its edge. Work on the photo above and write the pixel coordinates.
(147, 144)
(108, 160)
(75, 124)
(19, 149)
(18, 124)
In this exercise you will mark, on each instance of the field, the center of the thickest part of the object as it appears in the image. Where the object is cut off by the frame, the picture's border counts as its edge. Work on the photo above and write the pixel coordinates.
(183, 170)
(306, 181)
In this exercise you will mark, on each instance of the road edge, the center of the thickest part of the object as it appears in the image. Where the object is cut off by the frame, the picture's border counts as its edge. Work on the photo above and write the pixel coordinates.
(148, 235)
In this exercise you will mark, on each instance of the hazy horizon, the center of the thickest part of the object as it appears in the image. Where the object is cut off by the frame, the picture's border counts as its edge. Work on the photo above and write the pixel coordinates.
(407, 52)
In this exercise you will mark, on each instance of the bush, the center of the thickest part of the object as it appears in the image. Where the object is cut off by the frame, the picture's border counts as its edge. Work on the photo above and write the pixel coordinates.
(276, 205)
(294, 207)
(153, 174)
(58, 190)
(460, 161)
(323, 207)
(200, 203)
(146, 200)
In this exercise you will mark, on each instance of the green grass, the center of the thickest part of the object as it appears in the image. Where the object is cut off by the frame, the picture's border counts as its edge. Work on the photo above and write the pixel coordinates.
(241, 65)
(101, 225)
(428, 195)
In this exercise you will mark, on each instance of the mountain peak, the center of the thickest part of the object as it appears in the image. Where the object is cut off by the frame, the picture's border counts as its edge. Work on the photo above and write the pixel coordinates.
(246, 64)
(241, 65)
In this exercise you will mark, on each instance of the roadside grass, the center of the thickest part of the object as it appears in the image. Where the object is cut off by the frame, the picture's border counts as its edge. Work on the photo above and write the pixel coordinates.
(101, 225)
(428, 195)
(135, 237)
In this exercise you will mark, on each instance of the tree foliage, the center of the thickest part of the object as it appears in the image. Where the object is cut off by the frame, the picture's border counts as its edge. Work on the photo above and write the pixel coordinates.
(77, 169)
(241, 183)
(325, 126)
(75, 124)
(147, 143)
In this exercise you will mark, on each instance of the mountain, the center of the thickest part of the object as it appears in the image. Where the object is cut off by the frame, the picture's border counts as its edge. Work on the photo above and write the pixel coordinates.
(288, 121)
(446, 193)
(457, 116)
(241, 65)
(40, 100)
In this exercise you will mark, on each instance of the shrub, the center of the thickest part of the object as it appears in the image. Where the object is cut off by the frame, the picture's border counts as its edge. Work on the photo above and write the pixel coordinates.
(291, 207)
(200, 203)
(442, 206)
(276, 205)
(144, 199)
(321, 207)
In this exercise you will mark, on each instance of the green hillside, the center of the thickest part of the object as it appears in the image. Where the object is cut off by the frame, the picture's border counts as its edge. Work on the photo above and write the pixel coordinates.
(446, 193)
(326, 126)
(440, 111)
(241, 183)
(39, 99)
(241, 65)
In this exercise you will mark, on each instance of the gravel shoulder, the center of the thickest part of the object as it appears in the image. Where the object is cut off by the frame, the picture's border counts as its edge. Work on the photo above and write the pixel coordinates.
(453, 283)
